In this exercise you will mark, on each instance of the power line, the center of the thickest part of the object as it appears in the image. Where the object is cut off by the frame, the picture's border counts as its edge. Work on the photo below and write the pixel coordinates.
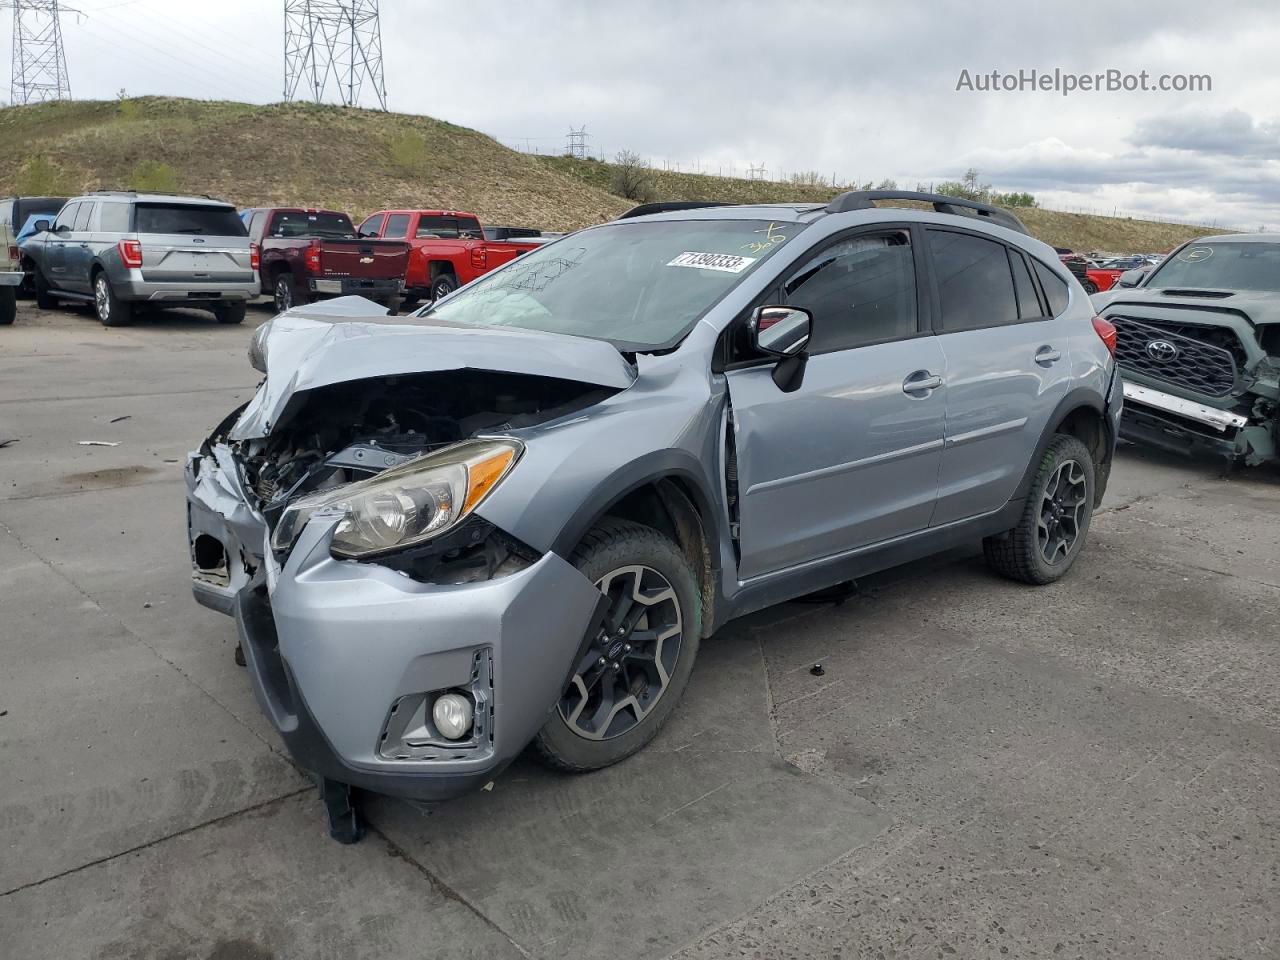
(39, 59)
(333, 45)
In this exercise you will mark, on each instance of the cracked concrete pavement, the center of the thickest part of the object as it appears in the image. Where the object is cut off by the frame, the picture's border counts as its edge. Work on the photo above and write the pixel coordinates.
(982, 770)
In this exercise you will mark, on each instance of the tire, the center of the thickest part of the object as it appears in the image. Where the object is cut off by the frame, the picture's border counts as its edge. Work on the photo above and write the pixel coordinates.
(393, 307)
(111, 310)
(443, 285)
(8, 305)
(1055, 520)
(410, 302)
(230, 312)
(626, 558)
(45, 300)
(282, 292)
(1090, 287)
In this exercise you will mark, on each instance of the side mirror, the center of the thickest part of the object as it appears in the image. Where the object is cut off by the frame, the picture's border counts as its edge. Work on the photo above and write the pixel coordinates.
(1131, 278)
(783, 332)
(42, 226)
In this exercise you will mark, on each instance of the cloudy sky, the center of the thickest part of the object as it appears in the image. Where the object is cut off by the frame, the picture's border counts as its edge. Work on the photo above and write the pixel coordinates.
(854, 90)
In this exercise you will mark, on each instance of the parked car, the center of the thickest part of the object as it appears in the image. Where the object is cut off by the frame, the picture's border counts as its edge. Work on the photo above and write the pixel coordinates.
(513, 518)
(1099, 279)
(1078, 265)
(16, 211)
(120, 250)
(1199, 348)
(449, 248)
(309, 255)
(10, 276)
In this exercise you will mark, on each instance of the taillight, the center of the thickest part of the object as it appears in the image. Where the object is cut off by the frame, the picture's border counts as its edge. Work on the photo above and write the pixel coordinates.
(313, 257)
(255, 256)
(1107, 332)
(13, 253)
(478, 257)
(130, 253)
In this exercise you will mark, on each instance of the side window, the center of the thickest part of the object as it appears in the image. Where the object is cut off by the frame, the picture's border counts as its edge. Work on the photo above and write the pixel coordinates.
(1055, 288)
(1029, 307)
(84, 217)
(397, 226)
(255, 221)
(975, 285)
(437, 227)
(6, 215)
(67, 216)
(860, 290)
(373, 226)
(113, 218)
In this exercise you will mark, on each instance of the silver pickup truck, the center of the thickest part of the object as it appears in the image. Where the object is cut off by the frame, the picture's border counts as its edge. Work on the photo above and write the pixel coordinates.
(10, 276)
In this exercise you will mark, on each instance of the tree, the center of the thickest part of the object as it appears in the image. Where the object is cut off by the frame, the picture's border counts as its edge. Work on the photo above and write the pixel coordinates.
(969, 187)
(807, 178)
(632, 177)
(155, 177)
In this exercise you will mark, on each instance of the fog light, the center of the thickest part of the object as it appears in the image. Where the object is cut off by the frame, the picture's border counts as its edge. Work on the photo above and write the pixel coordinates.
(452, 715)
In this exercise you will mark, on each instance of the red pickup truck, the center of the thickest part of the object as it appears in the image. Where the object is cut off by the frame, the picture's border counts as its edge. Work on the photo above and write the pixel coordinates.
(307, 255)
(448, 248)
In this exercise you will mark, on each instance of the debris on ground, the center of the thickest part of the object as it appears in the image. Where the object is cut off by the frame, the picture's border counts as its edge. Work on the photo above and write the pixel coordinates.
(99, 443)
(818, 670)
(5, 443)
(127, 416)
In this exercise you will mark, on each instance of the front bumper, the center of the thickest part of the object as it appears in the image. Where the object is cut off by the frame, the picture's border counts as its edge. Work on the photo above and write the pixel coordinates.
(332, 646)
(1184, 426)
(374, 289)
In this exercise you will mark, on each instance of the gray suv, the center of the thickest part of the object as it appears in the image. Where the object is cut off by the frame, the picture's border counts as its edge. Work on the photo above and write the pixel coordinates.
(119, 250)
(511, 518)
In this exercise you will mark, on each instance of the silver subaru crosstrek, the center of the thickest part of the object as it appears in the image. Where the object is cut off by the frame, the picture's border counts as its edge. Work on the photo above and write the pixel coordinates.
(510, 518)
(122, 249)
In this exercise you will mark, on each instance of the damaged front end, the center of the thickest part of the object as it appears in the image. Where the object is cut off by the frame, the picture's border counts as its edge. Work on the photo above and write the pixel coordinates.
(336, 518)
(1201, 373)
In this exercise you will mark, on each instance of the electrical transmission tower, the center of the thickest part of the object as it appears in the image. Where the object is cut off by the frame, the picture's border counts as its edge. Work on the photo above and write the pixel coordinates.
(39, 60)
(333, 47)
(756, 172)
(576, 143)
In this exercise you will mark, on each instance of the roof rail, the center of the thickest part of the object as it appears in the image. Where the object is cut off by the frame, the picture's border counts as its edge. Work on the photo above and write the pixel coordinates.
(664, 206)
(130, 192)
(864, 200)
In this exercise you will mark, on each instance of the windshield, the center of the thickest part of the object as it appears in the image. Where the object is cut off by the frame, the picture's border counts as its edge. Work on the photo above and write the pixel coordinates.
(640, 286)
(1222, 266)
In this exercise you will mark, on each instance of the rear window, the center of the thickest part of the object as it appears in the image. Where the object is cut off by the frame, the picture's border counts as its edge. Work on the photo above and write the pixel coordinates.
(210, 221)
(326, 226)
(466, 228)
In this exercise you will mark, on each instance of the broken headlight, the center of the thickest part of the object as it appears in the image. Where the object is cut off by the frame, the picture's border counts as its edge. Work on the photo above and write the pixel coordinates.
(406, 505)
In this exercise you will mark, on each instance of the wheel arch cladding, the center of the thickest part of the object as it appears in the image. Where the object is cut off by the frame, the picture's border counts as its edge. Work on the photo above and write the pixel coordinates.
(667, 493)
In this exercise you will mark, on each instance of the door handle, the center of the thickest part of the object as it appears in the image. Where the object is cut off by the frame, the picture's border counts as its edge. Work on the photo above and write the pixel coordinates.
(85, 246)
(1047, 356)
(921, 384)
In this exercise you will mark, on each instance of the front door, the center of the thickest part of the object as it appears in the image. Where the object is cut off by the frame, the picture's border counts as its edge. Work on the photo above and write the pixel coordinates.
(56, 242)
(1007, 367)
(851, 457)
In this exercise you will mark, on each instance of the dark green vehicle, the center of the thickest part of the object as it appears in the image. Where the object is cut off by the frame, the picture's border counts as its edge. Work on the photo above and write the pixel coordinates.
(1198, 342)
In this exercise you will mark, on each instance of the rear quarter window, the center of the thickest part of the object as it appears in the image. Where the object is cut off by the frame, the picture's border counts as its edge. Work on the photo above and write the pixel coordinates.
(114, 218)
(190, 218)
(1055, 288)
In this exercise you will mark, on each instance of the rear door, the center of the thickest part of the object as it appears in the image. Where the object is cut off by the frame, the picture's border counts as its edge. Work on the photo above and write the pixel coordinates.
(192, 243)
(851, 457)
(1007, 368)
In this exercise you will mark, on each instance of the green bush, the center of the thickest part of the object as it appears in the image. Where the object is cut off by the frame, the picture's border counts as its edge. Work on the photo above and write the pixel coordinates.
(154, 176)
(40, 178)
(409, 151)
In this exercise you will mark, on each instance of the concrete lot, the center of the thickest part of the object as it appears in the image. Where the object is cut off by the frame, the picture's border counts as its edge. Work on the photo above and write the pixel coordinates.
(985, 769)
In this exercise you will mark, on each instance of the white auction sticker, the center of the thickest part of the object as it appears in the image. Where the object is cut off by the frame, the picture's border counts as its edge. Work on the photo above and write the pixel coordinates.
(726, 262)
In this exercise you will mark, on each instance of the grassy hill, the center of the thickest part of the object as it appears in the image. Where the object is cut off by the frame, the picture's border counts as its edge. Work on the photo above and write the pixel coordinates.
(364, 160)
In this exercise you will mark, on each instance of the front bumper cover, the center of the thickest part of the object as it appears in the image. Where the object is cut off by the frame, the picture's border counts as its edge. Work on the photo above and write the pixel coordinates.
(1178, 425)
(332, 645)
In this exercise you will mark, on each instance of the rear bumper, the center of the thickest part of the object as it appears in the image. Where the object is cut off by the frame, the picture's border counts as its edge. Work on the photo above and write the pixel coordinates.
(374, 289)
(191, 291)
(8, 279)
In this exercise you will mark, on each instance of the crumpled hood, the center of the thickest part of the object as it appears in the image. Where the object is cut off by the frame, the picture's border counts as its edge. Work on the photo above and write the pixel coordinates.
(1257, 306)
(351, 338)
